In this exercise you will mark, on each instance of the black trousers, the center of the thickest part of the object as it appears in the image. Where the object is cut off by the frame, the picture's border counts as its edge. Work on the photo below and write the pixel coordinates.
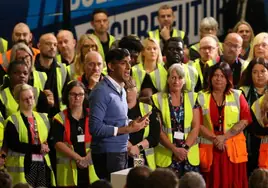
(106, 163)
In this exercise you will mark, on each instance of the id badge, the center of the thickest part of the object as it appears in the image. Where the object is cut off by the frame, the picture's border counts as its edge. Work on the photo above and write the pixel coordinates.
(38, 158)
(81, 138)
(178, 135)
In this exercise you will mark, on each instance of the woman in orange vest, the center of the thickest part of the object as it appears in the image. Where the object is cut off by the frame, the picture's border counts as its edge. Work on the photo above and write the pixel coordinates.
(223, 153)
(72, 139)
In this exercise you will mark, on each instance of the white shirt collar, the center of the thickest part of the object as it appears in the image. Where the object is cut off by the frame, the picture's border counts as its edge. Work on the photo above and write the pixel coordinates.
(117, 86)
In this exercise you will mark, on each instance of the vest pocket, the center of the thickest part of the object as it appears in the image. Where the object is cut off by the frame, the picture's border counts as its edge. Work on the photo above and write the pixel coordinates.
(263, 157)
(237, 149)
(206, 156)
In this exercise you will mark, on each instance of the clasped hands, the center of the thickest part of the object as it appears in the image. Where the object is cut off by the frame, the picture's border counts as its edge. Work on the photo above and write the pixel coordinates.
(219, 142)
(84, 162)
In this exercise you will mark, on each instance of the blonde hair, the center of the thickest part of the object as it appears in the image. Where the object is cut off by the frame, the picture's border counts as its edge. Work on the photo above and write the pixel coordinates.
(145, 43)
(257, 40)
(20, 88)
(247, 24)
(79, 59)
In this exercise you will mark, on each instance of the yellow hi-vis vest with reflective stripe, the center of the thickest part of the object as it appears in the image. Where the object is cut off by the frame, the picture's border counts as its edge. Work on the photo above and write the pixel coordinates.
(101, 51)
(3, 45)
(156, 34)
(1, 130)
(15, 160)
(196, 65)
(158, 76)
(231, 117)
(256, 108)
(10, 103)
(245, 90)
(163, 156)
(39, 79)
(66, 168)
(149, 153)
(71, 72)
(61, 72)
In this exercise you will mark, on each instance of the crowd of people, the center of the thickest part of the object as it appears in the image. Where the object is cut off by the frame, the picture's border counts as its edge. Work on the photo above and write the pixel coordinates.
(196, 115)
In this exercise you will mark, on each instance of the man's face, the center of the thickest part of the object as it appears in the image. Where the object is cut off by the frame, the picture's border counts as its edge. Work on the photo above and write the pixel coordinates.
(121, 69)
(174, 53)
(66, 43)
(165, 18)
(208, 49)
(93, 65)
(232, 47)
(100, 23)
(21, 33)
(48, 46)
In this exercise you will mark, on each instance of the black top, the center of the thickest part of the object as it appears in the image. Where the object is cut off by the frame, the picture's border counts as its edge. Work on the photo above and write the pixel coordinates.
(12, 142)
(65, 61)
(193, 54)
(154, 133)
(2, 74)
(105, 45)
(51, 83)
(148, 83)
(77, 127)
(41, 106)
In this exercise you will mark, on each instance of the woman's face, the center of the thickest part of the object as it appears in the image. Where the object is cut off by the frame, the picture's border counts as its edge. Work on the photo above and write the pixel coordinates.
(175, 82)
(76, 97)
(259, 75)
(88, 45)
(261, 49)
(218, 80)
(26, 101)
(150, 52)
(244, 31)
(19, 75)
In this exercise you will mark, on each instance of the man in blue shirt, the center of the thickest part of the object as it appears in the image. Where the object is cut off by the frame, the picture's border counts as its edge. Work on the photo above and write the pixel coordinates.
(109, 123)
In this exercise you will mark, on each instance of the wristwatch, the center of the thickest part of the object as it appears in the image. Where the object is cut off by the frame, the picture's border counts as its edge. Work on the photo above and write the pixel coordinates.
(140, 147)
(185, 146)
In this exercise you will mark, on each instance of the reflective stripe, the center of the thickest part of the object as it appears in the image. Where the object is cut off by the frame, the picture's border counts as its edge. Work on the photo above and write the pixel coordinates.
(4, 96)
(64, 160)
(45, 120)
(191, 98)
(15, 122)
(257, 110)
(36, 94)
(1, 119)
(203, 140)
(159, 98)
(15, 169)
(167, 130)
(15, 154)
(264, 140)
(149, 151)
(62, 117)
(42, 79)
(139, 72)
(192, 78)
(232, 103)
(5, 61)
(187, 130)
(158, 81)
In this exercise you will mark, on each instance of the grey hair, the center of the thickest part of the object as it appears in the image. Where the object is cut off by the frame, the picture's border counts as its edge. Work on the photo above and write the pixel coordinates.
(178, 68)
(19, 46)
(208, 22)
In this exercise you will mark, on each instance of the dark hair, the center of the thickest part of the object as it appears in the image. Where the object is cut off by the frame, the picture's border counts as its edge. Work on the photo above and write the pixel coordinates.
(172, 39)
(246, 79)
(137, 177)
(69, 87)
(101, 184)
(13, 64)
(162, 177)
(131, 42)
(227, 72)
(5, 179)
(97, 11)
(115, 55)
(192, 180)
(259, 178)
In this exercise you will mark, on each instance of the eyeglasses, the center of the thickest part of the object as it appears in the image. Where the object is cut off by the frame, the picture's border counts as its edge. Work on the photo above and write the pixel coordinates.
(263, 45)
(232, 46)
(75, 95)
(209, 48)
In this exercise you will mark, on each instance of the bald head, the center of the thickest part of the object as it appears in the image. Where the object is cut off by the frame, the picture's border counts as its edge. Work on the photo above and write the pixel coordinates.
(232, 47)
(93, 64)
(21, 33)
(66, 44)
(208, 48)
(48, 45)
